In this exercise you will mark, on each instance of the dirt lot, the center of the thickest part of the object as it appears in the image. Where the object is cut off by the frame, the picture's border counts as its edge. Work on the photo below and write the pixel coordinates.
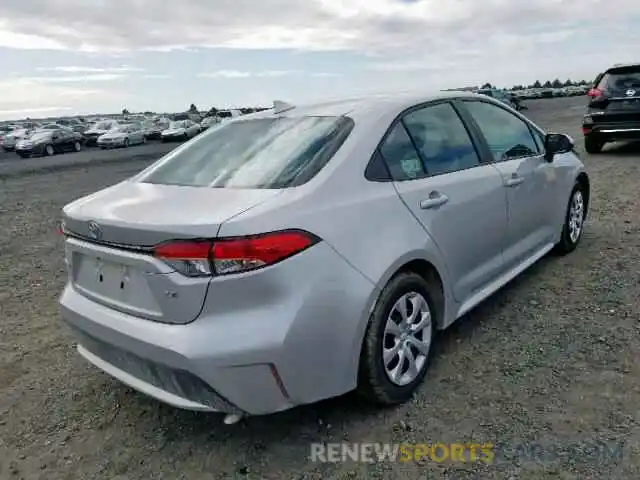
(553, 358)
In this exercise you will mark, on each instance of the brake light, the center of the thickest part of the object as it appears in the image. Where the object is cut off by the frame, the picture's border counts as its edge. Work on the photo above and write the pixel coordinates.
(595, 93)
(189, 257)
(233, 255)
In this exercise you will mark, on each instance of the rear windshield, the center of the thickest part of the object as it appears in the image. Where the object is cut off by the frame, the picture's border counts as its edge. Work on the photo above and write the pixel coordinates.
(225, 114)
(621, 79)
(258, 153)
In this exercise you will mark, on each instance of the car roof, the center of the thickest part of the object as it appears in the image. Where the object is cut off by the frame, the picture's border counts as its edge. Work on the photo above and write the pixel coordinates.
(377, 104)
(623, 65)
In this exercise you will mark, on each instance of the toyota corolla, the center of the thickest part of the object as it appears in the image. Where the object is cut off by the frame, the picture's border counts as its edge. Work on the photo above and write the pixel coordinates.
(303, 252)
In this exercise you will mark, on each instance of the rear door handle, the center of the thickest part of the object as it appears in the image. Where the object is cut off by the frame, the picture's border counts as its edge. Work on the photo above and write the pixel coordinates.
(514, 180)
(435, 200)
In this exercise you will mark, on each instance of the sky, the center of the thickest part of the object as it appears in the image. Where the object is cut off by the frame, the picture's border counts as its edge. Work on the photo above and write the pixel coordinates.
(67, 57)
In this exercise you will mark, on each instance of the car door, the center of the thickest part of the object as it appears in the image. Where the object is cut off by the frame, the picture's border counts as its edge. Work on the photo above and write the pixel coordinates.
(458, 200)
(530, 181)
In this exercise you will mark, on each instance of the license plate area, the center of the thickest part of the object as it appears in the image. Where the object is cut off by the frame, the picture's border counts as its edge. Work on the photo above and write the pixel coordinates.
(122, 286)
(631, 104)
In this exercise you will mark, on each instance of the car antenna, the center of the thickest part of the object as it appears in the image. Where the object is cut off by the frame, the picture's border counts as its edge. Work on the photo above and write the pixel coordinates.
(279, 106)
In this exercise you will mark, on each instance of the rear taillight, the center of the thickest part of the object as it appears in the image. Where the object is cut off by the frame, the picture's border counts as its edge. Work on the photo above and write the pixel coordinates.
(595, 93)
(196, 258)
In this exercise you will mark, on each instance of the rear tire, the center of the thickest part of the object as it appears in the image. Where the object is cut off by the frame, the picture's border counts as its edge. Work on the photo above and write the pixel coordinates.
(391, 340)
(77, 146)
(125, 144)
(49, 151)
(573, 226)
(593, 145)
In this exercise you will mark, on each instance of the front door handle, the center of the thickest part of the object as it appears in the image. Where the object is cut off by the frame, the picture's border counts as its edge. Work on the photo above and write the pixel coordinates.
(435, 200)
(514, 180)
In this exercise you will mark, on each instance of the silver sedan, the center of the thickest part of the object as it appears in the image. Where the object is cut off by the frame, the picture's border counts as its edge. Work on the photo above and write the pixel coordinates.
(303, 252)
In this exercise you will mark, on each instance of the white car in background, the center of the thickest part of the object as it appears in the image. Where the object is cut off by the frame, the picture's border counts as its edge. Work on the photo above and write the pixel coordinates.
(123, 136)
(208, 122)
(10, 140)
(98, 129)
(180, 130)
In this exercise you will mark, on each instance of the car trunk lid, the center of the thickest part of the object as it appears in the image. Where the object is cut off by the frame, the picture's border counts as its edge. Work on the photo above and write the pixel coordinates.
(110, 236)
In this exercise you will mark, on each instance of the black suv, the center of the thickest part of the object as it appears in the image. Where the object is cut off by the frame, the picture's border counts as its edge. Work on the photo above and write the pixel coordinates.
(613, 112)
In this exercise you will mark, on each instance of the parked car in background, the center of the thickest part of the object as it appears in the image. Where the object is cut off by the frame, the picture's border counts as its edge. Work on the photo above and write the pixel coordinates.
(224, 115)
(180, 131)
(49, 142)
(4, 130)
(209, 122)
(124, 135)
(613, 111)
(253, 274)
(153, 128)
(98, 129)
(501, 96)
(10, 140)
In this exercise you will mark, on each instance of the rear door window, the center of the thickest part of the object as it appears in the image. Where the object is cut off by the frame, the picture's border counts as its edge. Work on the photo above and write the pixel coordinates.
(259, 153)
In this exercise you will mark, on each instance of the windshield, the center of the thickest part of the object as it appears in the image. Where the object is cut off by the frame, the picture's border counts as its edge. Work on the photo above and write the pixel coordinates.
(225, 114)
(49, 127)
(260, 153)
(179, 124)
(19, 132)
(102, 126)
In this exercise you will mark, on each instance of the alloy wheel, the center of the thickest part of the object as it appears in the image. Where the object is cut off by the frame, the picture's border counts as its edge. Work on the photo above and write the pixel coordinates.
(407, 338)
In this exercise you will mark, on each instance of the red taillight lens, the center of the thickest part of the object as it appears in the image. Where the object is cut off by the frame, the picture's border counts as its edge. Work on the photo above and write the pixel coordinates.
(595, 93)
(243, 254)
(233, 255)
(189, 257)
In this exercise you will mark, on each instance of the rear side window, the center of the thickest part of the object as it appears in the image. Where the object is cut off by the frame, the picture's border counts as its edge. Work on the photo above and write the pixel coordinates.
(402, 158)
(259, 153)
(620, 80)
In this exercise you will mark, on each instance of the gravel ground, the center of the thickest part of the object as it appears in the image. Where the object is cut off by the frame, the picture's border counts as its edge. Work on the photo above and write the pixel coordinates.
(553, 359)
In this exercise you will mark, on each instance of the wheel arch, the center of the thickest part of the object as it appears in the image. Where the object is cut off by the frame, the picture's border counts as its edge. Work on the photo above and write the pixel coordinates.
(583, 180)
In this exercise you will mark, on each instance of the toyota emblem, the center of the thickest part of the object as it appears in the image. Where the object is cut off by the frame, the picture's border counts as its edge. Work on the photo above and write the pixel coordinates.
(631, 92)
(95, 231)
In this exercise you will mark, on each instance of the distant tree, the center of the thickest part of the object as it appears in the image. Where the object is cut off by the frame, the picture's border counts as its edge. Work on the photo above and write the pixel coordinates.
(536, 84)
(125, 111)
(547, 84)
(568, 83)
(556, 83)
(193, 109)
(487, 85)
(213, 111)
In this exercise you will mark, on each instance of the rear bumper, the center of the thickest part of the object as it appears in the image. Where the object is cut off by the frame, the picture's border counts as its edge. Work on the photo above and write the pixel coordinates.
(613, 131)
(277, 342)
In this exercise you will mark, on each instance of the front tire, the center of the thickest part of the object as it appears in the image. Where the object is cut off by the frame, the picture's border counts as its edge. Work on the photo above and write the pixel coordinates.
(398, 341)
(49, 151)
(125, 144)
(77, 146)
(593, 145)
(573, 226)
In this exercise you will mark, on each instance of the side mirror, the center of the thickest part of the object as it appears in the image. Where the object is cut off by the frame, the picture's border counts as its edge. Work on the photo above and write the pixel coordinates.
(557, 143)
